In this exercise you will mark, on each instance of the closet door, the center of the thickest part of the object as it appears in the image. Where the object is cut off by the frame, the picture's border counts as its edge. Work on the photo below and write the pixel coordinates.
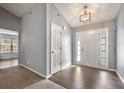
(55, 48)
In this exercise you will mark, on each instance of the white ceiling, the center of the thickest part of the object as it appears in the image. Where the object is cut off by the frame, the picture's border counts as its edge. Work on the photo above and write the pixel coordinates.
(100, 12)
(16, 8)
(71, 11)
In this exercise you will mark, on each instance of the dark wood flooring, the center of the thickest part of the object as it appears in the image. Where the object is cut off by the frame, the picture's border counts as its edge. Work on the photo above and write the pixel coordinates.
(87, 78)
(17, 77)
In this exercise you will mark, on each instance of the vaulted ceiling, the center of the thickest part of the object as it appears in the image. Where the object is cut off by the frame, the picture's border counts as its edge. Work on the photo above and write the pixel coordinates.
(18, 9)
(101, 12)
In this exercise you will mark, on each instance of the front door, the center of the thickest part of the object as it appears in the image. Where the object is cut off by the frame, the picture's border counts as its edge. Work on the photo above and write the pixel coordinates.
(92, 48)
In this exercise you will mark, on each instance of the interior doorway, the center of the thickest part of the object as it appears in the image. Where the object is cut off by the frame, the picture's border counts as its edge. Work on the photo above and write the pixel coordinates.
(92, 48)
(8, 48)
(56, 48)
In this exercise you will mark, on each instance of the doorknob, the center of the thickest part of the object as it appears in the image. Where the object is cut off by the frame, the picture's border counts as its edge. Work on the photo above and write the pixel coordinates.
(82, 49)
(60, 63)
(52, 52)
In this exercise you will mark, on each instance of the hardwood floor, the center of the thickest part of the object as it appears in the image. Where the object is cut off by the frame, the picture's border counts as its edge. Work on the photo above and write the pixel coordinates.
(87, 78)
(72, 77)
(17, 77)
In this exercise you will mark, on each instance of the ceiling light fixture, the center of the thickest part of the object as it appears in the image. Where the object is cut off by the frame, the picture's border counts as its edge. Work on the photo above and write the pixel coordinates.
(86, 16)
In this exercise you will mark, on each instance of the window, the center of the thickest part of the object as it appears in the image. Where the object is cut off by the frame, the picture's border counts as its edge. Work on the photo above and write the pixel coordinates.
(5, 45)
(104, 47)
(15, 45)
(8, 45)
(78, 47)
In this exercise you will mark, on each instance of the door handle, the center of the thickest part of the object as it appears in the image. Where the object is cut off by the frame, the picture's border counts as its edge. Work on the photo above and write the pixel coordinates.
(82, 49)
(52, 52)
(60, 63)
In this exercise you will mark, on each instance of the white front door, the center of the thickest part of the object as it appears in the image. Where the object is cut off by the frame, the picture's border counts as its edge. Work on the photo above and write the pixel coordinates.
(55, 48)
(92, 48)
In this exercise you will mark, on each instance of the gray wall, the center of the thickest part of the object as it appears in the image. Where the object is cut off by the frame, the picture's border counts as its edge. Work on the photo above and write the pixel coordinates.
(35, 36)
(66, 47)
(9, 21)
(33, 39)
(120, 42)
(112, 39)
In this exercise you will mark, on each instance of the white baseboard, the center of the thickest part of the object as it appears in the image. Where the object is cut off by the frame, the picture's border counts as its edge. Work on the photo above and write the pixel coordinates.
(48, 76)
(66, 66)
(40, 73)
(33, 70)
(111, 69)
(120, 77)
(99, 68)
(63, 67)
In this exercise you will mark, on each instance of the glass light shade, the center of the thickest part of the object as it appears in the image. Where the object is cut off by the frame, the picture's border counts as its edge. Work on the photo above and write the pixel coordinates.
(85, 17)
